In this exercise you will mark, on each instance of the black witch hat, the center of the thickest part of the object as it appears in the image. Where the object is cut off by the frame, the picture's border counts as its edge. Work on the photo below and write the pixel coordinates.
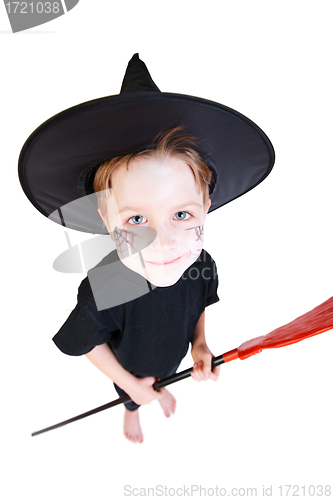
(58, 161)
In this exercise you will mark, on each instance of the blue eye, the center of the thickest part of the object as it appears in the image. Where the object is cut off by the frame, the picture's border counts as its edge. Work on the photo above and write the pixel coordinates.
(182, 215)
(137, 219)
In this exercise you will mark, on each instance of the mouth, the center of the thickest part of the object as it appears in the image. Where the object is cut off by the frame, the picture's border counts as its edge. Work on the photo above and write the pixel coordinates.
(164, 263)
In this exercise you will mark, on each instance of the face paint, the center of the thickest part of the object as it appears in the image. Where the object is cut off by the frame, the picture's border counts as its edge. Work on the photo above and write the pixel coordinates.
(199, 232)
(131, 242)
(121, 239)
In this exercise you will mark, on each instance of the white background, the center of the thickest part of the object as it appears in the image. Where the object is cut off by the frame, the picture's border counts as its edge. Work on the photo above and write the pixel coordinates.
(268, 420)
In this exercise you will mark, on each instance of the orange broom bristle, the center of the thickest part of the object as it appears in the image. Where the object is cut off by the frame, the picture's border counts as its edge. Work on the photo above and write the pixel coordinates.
(318, 320)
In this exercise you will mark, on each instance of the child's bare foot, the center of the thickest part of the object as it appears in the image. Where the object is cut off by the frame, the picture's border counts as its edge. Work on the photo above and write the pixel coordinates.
(132, 429)
(168, 403)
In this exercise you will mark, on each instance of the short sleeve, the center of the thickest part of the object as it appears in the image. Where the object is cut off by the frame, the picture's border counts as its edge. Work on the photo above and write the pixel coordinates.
(84, 329)
(212, 280)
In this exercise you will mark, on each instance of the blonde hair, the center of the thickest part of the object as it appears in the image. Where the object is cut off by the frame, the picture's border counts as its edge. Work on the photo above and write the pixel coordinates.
(165, 145)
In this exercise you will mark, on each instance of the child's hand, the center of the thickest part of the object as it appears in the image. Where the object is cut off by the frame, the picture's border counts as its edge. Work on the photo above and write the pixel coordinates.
(141, 390)
(202, 368)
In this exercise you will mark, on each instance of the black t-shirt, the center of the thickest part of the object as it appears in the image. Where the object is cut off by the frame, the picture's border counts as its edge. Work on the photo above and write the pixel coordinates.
(150, 334)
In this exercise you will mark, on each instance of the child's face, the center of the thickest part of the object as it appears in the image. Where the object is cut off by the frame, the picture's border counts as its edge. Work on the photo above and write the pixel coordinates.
(158, 194)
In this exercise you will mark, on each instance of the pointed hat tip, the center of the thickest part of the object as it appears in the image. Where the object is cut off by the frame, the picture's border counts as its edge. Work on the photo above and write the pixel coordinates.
(137, 77)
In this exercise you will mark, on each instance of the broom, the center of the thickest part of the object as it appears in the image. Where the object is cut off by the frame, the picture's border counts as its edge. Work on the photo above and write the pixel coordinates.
(318, 320)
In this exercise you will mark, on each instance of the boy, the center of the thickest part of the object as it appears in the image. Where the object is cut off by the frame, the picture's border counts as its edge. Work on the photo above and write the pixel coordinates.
(165, 188)
(139, 309)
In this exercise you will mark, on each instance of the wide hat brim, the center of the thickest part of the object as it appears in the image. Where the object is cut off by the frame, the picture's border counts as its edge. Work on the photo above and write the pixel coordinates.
(58, 161)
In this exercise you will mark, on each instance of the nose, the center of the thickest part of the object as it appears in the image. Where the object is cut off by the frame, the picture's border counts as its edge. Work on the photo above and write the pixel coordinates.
(165, 238)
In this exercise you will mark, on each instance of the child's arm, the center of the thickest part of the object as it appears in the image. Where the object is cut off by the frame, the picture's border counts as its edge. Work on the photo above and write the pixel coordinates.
(140, 390)
(202, 356)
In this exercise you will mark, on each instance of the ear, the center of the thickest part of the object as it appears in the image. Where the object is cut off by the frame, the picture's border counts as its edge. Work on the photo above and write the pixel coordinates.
(105, 220)
(209, 202)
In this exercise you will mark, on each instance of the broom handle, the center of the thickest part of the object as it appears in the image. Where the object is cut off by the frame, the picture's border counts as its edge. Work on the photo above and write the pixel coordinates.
(184, 374)
(219, 360)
